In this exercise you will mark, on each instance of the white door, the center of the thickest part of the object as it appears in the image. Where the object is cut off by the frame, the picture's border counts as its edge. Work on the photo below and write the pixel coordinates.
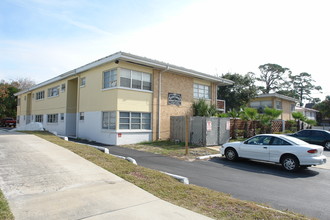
(256, 148)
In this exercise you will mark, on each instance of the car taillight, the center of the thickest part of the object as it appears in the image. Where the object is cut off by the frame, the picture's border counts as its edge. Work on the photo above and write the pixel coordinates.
(313, 151)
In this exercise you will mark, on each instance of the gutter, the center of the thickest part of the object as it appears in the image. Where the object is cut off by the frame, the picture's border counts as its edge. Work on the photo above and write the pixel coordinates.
(159, 98)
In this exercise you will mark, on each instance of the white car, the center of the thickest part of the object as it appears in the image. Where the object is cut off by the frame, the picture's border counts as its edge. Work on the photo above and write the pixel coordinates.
(291, 152)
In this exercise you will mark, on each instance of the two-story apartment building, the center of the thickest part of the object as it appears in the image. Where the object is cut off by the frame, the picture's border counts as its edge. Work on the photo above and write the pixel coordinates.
(119, 99)
(274, 100)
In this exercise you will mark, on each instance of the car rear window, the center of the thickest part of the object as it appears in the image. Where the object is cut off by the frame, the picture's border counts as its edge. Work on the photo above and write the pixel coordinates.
(295, 140)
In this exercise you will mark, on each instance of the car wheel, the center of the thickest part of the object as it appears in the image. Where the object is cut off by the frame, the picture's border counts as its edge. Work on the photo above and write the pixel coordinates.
(231, 154)
(290, 163)
(327, 145)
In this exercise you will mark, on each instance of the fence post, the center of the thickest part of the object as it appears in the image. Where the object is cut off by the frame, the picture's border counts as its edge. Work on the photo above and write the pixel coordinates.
(187, 134)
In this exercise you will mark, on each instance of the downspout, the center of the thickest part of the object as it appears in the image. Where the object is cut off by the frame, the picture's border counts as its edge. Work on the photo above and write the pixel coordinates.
(159, 98)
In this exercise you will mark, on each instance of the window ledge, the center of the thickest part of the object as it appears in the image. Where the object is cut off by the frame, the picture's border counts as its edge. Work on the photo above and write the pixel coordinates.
(118, 87)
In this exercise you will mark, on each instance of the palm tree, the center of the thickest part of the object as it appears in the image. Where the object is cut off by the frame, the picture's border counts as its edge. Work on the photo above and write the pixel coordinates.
(270, 115)
(201, 108)
(298, 117)
(249, 114)
(310, 122)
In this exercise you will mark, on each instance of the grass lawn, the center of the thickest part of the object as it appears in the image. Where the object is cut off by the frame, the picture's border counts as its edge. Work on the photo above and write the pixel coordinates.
(168, 148)
(5, 213)
(211, 203)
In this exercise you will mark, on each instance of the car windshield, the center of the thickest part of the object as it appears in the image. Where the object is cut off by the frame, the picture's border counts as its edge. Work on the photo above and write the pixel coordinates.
(295, 140)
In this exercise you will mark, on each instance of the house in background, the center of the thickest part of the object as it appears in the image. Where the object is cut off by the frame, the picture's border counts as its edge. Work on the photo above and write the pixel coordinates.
(309, 113)
(274, 100)
(119, 99)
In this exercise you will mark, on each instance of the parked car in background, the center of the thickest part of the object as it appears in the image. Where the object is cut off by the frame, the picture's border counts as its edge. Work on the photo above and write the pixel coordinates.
(289, 151)
(8, 122)
(314, 136)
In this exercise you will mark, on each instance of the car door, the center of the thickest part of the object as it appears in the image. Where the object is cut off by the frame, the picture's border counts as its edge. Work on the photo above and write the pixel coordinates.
(277, 148)
(317, 137)
(256, 148)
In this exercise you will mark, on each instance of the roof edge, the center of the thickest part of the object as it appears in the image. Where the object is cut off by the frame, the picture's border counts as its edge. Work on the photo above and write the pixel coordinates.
(133, 58)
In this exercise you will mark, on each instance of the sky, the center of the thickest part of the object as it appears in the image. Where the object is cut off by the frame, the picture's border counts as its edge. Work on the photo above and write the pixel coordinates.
(41, 39)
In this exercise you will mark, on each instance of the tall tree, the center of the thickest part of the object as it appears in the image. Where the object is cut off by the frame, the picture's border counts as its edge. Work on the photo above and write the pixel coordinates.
(7, 100)
(273, 76)
(302, 85)
(324, 107)
(239, 94)
(23, 83)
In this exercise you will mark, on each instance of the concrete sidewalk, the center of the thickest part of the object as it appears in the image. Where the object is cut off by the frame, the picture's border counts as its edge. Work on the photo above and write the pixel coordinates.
(44, 181)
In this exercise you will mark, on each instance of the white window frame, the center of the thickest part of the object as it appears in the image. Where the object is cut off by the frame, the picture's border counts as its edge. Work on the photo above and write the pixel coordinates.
(40, 95)
(52, 118)
(81, 116)
(54, 91)
(83, 82)
(132, 120)
(202, 91)
(62, 116)
(109, 120)
(39, 118)
(138, 80)
(111, 80)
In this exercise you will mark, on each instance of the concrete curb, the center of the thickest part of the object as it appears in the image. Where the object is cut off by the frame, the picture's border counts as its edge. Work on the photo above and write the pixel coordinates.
(208, 156)
(182, 179)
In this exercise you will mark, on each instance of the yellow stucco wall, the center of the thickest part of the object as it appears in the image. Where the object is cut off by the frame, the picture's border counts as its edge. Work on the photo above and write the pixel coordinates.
(49, 105)
(92, 97)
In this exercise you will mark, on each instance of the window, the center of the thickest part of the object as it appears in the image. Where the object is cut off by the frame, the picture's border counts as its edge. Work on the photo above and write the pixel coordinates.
(40, 95)
(134, 120)
(81, 116)
(293, 107)
(266, 104)
(262, 104)
(39, 118)
(53, 91)
(62, 116)
(278, 141)
(278, 105)
(109, 120)
(82, 81)
(201, 91)
(18, 101)
(259, 140)
(63, 87)
(110, 78)
(135, 79)
(146, 81)
(52, 118)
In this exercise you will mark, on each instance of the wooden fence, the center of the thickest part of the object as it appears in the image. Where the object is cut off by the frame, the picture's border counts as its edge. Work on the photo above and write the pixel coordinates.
(251, 128)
